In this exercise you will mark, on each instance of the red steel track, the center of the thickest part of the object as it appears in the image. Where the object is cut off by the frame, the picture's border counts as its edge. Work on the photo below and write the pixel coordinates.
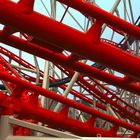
(49, 39)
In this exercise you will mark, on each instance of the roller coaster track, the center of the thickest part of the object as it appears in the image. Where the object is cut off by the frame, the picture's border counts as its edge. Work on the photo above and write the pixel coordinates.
(49, 39)
(91, 88)
(70, 34)
(66, 62)
(53, 81)
(106, 97)
(123, 46)
(25, 109)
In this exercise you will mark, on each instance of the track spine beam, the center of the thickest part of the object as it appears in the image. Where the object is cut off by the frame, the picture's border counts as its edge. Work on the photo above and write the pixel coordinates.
(68, 38)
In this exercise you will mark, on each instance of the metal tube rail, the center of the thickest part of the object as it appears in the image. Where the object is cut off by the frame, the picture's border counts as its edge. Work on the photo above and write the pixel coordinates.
(64, 61)
(68, 38)
(122, 110)
(60, 120)
(106, 17)
(25, 108)
(32, 79)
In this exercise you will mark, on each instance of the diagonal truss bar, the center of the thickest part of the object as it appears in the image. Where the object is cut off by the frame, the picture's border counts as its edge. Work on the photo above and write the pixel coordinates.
(63, 36)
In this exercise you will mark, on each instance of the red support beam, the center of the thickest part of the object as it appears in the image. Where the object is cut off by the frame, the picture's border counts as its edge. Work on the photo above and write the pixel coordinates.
(108, 97)
(100, 14)
(26, 5)
(58, 37)
(70, 39)
(26, 108)
(58, 120)
(64, 61)
(24, 63)
(29, 110)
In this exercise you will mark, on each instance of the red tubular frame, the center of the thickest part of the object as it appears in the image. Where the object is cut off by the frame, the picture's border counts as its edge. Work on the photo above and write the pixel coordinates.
(126, 113)
(57, 120)
(64, 61)
(27, 65)
(68, 38)
(22, 86)
(49, 40)
(122, 110)
(22, 62)
(29, 110)
(100, 14)
(11, 55)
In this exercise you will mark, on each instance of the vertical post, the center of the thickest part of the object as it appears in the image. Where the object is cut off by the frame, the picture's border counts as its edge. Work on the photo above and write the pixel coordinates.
(110, 111)
(45, 85)
(66, 92)
(37, 70)
(44, 101)
(112, 11)
(69, 87)
(5, 127)
(131, 11)
(53, 8)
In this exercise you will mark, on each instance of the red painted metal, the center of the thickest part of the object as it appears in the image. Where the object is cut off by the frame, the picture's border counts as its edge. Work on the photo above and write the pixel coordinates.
(100, 14)
(55, 119)
(22, 62)
(48, 41)
(63, 60)
(68, 38)
(26, 6)
(107, 97)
